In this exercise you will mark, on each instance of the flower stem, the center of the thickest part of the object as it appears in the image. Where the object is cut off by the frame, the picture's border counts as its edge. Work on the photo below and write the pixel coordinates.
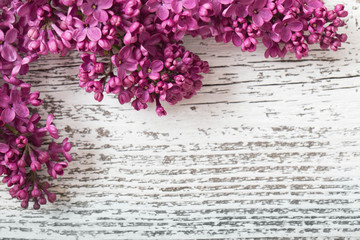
(12, 129)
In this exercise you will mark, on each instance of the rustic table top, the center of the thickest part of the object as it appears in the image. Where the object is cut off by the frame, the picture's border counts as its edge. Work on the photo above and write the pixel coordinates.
(268, 148)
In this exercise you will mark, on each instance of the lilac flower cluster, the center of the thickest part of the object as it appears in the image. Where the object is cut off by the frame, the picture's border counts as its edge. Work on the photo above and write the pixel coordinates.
(22, 154)
(140, 41)
(282, 25)
(141, 34)
(133, 49)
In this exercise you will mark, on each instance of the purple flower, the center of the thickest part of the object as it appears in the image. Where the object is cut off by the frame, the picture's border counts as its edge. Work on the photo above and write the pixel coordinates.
(285, 28)
(159, 109)
(138, 104)
(8, 52)
(51, 128)
(86, 29)
(172, 95)
(275, 51)
(284, 5)
(96, 9)
(124, 96)
(269, 36)
(178, 5)
(151, 70)
(144, 90)
(124, 62)
(161, 7)
(237, 9)
(7, 16)
(259, 13)
(217, 4)
(29, 9)
(185, 22)
(20, 154)
(88, 65)
(18, 106)
(316, 25)
(309, 6)
(149, 43)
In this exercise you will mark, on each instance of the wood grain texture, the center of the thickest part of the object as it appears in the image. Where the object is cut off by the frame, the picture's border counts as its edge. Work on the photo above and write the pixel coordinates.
(268, 148)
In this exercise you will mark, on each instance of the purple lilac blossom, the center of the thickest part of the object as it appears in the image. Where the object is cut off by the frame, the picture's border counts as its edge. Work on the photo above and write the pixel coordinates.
(22, 153)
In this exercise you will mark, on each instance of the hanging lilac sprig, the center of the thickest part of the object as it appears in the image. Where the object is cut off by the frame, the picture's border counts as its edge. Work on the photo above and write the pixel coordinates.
(22, 152)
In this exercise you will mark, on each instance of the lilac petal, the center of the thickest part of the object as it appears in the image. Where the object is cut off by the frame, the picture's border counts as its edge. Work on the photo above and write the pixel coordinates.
(101, 15)
(9, 53)
(87, 9)
(189, 4)
(2, 36)
(314, 3)
(4, 101)
(258, 20)
(266, 14)
(124, 52)
(24, 10)
(228, 12)
(176, 6)
(274, 36)
(49, 120)
(121, 73)
(115, 60)
(242, 11)
(179, 35)
(144, 36)
(16, 69)
(8, 115)
(157, 66)
(288, 3)
(285, 34)
(105, 4)
(91, 21)
(127, 38)
(236, 40)
(152, 50)
(104, 44)
(21, 110)
(154, 75)
(155, 39)
(192, 24)
(225, 1)
(4, 148)
(259, 4)
(130, 64)
(144, 51)
(163, 13)
(80, 34)
(15, 95)
(278, 27)
(153, 5)
(94, 34)
(246, 2)
(295, 26)
(266, 27)
(267, 41)
(11, 35)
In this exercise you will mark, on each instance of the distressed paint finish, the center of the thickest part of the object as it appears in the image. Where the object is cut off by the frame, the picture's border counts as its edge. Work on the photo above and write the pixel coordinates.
(268, 148)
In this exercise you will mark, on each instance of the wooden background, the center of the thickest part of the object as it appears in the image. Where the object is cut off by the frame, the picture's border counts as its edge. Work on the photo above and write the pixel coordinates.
(268, 148)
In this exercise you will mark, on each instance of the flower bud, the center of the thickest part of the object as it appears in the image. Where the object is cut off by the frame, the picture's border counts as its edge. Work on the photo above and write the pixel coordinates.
(33, 33)
(115, 20)
(99, 67)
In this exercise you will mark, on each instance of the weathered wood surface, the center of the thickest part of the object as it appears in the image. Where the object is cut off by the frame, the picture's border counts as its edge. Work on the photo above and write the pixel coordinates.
(268, 148)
